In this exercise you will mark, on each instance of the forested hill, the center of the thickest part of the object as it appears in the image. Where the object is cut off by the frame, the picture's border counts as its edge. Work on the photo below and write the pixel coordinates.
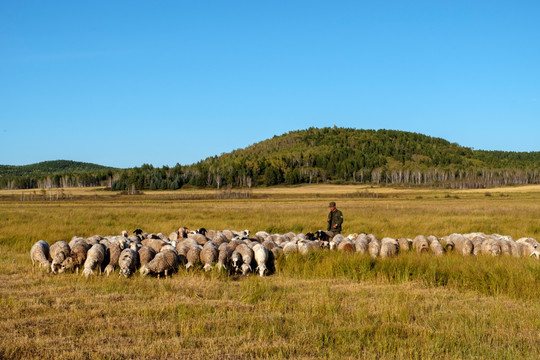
(54, 173)
(49, 167)
(365, 156)
(336, 155)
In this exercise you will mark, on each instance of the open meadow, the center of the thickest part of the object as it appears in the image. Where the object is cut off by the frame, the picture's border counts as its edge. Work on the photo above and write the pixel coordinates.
(327, 304)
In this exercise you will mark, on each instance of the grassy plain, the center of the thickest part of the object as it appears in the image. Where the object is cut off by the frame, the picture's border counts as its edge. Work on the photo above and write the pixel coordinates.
(327, 305)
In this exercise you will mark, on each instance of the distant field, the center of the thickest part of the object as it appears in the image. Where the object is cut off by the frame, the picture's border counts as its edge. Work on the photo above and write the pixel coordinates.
(332, 305)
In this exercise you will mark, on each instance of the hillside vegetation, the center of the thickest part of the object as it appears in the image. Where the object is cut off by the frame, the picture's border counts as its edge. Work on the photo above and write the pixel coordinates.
(335, 155)
(57, 173)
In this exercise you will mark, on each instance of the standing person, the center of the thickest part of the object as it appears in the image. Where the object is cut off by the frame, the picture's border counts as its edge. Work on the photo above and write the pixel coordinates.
(335, 219)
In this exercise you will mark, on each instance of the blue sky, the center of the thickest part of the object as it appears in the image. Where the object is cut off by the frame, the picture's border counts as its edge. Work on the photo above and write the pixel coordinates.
(122, 83)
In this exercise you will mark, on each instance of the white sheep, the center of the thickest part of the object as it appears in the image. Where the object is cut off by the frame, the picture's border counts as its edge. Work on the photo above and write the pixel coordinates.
(94, 259)
(421, 244)
(40, 253)
(262, 256)
(374, 247)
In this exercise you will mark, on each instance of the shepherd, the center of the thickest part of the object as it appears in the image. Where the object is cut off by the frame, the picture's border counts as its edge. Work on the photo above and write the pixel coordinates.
(335, 219)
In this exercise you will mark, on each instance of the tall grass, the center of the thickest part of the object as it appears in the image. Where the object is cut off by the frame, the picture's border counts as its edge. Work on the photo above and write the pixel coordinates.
(515, 278)
(324, 305)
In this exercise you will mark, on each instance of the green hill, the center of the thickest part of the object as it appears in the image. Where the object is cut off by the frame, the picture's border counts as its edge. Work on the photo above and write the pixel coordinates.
(57, 173)
(336, 155)
(365, 156)
(49, 168)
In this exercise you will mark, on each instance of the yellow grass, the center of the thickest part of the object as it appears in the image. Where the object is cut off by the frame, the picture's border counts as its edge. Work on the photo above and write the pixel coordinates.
(330, 307)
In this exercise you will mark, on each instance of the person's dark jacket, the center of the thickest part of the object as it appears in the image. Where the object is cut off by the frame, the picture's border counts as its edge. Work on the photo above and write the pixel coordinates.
(335, 218)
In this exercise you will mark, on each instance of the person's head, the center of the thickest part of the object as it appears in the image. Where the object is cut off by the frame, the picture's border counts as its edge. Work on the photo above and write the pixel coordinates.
(332, 206)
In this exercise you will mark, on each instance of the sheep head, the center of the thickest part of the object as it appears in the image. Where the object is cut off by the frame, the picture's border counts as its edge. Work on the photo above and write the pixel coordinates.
(144, 270)
(262, 270)
(125, 272)
(66, 264)
(246, 269)
(207, 267)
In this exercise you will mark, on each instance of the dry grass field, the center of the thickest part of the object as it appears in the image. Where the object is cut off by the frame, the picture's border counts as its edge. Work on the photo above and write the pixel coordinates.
(326, 305)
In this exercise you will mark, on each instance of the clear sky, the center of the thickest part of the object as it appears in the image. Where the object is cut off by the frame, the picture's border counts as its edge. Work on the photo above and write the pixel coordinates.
(122, 83)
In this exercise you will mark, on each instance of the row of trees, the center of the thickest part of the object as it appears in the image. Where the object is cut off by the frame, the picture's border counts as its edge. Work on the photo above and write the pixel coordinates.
(318, 156)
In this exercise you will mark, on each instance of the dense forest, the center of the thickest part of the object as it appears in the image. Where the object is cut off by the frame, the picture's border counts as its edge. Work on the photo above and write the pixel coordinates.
(336, 155)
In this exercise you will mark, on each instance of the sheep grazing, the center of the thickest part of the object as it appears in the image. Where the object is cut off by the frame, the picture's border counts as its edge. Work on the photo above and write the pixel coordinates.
(421, 244)
(462, 245)
(209, 255)
(389, 248)
(128, 262)
(59, 252)
(224, 256)
(323, 235)
(374, 247)
(199, 238)
(290, 248)
(490, 247)
(236, 261)
(448, 243)
(113, 251)
(262, 258)
(94, 258)
(193, 256)
(361, 245)
(529, 247)
(236, 251)
(77, 258)
(146, 254)
(155, 244)
(247, 258)
(165, 262)
(40, 253)
(404, 244)
(435, 246)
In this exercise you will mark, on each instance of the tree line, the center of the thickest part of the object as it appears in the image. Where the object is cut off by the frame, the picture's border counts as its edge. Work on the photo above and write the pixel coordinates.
(337, 155)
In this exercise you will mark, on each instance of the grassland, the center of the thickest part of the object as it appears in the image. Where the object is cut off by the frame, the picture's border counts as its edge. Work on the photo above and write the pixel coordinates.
(328, 305)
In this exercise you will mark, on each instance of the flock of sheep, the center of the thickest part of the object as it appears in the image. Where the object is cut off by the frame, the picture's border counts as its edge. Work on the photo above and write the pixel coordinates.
(238, 252)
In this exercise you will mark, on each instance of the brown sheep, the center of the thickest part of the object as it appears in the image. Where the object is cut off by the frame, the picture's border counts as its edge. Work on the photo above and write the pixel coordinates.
(193, 256)
(146, 254)
(209, 255)
(155, 244)
(77, 258)
(59, 252)
(114, 252)
(165, 262)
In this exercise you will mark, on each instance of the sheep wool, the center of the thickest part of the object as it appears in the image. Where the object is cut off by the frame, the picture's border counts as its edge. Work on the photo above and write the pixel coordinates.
(94, 258)
(39, 253)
